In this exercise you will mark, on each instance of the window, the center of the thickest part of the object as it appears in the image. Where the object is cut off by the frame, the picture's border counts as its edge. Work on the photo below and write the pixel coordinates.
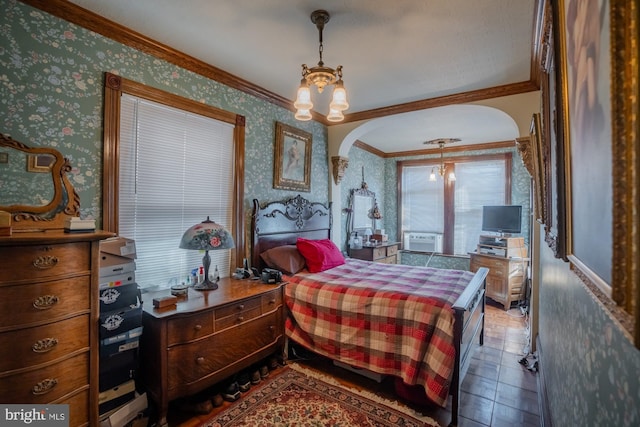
(453, 208)
(174, 168)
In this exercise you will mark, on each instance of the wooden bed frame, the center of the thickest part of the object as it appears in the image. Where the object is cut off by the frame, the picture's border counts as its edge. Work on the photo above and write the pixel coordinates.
(281, 223)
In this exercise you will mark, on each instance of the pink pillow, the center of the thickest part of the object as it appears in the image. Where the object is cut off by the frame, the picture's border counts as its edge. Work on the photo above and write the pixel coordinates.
(284, 258)
(320, 255)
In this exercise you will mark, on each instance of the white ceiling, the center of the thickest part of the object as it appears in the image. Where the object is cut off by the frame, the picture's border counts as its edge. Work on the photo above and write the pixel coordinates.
(392, 52)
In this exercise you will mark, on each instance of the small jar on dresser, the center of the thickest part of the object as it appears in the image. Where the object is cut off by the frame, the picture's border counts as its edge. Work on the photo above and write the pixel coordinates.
(49, 321)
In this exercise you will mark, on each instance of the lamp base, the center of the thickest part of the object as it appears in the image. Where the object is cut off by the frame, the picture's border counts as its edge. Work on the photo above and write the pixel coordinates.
(207, 285)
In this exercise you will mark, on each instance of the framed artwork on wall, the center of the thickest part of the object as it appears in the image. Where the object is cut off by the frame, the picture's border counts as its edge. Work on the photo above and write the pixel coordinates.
(597, 88)
(292, 161)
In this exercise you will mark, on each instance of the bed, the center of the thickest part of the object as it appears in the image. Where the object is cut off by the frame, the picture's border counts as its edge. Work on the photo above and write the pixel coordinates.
(419, 324)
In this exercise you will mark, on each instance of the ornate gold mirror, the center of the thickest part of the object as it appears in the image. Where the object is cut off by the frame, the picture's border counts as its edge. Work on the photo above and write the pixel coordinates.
(35, 188)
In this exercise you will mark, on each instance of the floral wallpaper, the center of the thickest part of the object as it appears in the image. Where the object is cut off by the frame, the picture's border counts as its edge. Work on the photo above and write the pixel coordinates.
(51, 94)
(51, 75)
(591, 370)
(380, 176)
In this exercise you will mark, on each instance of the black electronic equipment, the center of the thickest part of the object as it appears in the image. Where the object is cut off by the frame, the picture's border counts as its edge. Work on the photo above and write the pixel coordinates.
(270, 275)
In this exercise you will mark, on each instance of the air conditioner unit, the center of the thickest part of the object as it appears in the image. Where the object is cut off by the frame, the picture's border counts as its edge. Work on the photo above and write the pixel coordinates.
(423, 242)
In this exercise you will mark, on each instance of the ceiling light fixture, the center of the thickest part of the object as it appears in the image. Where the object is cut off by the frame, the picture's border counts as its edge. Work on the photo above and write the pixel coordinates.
(321, 76)
(442, 168)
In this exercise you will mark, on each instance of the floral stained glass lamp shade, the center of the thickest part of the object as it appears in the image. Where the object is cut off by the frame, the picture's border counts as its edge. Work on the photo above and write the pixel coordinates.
(206, 236)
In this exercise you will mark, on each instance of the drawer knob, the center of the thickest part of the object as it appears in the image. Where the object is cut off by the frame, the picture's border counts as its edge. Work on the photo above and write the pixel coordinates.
(272, 301)
(44, 262)
(197, 327)
(240, 306)
(200, 360)
(45, 302)
(240, 318)
(44, 386)
(44, 345)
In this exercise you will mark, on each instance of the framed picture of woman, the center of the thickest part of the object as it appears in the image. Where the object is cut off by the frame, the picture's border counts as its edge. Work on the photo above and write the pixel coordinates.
(292, 168)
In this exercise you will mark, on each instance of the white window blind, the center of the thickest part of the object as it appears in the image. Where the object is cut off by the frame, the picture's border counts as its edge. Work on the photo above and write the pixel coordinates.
(424, 204)
(477, 184)
(176, 168)
(422, 201)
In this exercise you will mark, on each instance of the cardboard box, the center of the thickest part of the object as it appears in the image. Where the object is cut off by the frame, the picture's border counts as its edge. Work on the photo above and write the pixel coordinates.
(124, 414)
(126, 335)
(117, 280)
(119, 321)
(113, 264)
(117, 369)
(116, 396)
(120, 246)
(118, 297)
(108, 350)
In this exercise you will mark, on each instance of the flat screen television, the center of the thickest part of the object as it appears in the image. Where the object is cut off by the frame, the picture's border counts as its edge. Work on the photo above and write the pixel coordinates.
(505, 219)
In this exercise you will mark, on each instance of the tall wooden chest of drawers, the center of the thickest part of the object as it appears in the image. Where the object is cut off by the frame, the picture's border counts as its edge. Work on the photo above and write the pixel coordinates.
(49, 321)
(207, 336)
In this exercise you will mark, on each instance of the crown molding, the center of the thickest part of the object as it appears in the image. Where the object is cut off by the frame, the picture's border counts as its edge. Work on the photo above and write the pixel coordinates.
(75, 14)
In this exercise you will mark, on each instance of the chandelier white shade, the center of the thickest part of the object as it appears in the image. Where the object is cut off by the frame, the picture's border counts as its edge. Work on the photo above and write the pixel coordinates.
(441, 169)
(321, 76)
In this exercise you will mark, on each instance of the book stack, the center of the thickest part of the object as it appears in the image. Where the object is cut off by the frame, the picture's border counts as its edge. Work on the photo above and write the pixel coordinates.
(77, 225)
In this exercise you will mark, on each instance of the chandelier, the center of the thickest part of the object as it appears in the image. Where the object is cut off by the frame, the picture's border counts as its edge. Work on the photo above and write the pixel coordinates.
(321, 76)
(441, 169)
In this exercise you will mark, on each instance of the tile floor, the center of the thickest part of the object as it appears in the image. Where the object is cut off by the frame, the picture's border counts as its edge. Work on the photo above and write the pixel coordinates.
(497, 391)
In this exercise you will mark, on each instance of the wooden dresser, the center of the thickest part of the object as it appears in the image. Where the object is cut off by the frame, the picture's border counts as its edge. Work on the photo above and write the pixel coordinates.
(49, 321)
(207, 337)
(386, 252)
(506, 279)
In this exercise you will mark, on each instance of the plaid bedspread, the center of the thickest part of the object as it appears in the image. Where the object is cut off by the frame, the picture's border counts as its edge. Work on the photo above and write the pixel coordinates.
(387, 318)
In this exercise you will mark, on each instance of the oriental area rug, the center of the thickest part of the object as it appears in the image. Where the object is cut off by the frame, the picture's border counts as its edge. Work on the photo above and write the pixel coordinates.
(297, 396)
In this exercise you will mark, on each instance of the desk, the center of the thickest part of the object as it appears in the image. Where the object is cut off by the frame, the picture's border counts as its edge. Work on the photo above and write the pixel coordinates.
(208, 336)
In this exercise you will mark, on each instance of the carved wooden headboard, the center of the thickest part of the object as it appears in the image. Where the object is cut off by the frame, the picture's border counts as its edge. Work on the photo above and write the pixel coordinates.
(281, 223)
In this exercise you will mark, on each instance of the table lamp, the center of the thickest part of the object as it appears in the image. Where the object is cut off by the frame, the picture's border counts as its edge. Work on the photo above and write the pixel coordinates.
(206, 236)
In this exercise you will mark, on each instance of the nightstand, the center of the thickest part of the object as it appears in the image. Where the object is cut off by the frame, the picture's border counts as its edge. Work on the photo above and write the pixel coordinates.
(208, 336)
(386, 252)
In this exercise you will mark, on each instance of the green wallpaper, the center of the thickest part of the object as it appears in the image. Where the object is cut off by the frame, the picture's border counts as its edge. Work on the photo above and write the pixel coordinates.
(51, 75)
(51, 94)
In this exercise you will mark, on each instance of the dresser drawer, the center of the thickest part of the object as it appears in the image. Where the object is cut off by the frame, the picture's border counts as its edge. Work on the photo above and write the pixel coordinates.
(42, 344)
(42, 261)
(271, 300)
(237, 318)
(379, 253)
(192, 362)
(188, 328)
(47, 384)
(245, 305)
(40, 303)
(392, 250)
(78, 408)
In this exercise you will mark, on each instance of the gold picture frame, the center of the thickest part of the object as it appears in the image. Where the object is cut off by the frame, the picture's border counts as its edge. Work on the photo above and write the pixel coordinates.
(601, 187)
(40, 163)
(292, 161)
(538, 171)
